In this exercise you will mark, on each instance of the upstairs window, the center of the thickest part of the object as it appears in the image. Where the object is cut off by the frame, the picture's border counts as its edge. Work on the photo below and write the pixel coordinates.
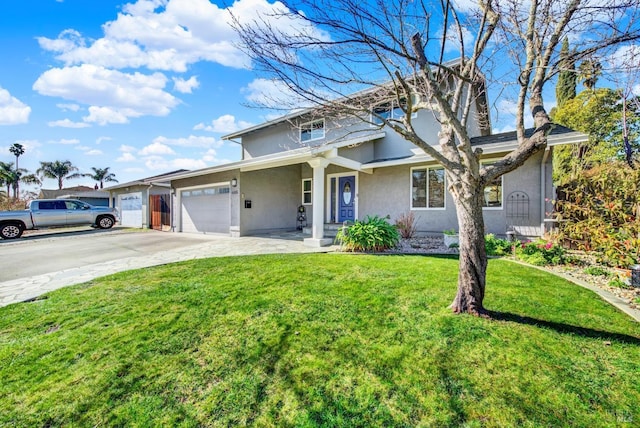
(390, 110)
(312, 130)
(380, 112)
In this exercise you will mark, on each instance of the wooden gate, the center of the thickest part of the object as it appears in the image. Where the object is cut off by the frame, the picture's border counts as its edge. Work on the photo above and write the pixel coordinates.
(160, 211)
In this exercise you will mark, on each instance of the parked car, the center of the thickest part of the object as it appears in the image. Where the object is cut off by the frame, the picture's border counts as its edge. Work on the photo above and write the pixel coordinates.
(42, 213)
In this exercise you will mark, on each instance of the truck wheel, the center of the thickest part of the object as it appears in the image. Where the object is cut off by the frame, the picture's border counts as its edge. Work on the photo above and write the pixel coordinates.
(105, 222)
(11, 231)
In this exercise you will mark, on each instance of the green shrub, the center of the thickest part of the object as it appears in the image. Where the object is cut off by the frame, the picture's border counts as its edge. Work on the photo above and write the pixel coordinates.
(542, 253)
(596, 271)
(617, 282)
(498, 247)
(371, 234)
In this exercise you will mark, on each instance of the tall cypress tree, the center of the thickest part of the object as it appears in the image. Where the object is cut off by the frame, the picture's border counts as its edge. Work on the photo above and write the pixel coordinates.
(566, 87)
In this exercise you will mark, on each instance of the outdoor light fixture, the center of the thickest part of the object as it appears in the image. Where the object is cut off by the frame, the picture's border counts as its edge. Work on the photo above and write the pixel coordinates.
(234, 182)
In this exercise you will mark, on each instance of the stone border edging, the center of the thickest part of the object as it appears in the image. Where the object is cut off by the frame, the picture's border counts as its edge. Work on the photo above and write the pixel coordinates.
(605, 295)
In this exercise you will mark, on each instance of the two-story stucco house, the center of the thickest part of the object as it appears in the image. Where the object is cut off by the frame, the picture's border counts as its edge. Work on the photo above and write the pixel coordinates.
(337, 171)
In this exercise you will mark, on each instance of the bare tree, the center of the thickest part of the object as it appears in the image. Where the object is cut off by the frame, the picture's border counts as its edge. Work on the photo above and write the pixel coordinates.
(625, 74)
(324, 51)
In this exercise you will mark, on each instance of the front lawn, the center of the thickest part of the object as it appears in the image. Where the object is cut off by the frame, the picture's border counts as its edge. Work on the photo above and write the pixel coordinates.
(318, 340)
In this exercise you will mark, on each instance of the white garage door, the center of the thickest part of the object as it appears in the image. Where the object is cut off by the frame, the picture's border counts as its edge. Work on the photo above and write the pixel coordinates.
(206, 210)
(130, 209)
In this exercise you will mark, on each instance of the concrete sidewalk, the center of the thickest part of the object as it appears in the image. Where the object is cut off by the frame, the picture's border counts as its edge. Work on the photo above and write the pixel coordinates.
(23, 289)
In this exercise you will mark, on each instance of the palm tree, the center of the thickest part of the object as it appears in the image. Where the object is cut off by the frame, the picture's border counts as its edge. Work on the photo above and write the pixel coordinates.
(58, 170)
(6, 170)
(101, 175)
(589, 72)
(18, 150)
(11, 178)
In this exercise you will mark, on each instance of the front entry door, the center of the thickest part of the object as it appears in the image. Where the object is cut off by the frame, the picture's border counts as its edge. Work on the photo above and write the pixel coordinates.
(346, 198)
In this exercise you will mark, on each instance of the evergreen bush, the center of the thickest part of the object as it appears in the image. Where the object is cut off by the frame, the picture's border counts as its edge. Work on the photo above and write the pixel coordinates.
(371, 234)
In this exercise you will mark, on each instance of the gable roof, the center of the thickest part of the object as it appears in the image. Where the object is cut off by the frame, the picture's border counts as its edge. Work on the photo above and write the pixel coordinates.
(55, 193)
(153, 180)
(556, 132)
(490, 144)
(481, 99)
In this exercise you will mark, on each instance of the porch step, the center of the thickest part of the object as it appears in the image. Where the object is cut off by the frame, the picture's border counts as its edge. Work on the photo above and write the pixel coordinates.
(330, 229)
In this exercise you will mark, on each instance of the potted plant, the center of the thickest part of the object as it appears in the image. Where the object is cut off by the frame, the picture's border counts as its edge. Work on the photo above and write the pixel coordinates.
(450, 238)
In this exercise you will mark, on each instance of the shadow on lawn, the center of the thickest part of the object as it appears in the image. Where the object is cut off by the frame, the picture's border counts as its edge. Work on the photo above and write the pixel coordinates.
(565, 328)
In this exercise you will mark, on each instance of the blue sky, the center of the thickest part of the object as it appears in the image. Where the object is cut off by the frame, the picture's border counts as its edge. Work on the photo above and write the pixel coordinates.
(143, 87)
(123, 85)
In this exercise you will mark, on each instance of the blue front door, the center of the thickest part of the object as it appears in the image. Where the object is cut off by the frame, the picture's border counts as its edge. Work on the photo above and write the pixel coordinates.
(346, 198)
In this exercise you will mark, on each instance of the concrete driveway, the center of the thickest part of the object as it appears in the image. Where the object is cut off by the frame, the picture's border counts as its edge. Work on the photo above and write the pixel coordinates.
(36, 264)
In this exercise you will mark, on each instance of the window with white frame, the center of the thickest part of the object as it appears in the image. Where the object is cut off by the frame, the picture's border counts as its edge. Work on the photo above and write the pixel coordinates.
(306, 191)
(390, 110)
(428, 188)
(493, 192)
(312, 130)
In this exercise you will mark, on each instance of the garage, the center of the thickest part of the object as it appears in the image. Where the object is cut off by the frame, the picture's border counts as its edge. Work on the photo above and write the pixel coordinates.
(205, 210)
(130, 209)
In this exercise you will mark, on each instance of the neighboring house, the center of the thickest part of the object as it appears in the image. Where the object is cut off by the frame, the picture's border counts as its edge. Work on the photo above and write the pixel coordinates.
(144, 203)
(83, 193)
(301, 160)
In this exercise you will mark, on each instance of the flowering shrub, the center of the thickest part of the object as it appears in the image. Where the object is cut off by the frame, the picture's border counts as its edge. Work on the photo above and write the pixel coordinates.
(599, 212)
(371, 234)
(541, 253)
(498, 247)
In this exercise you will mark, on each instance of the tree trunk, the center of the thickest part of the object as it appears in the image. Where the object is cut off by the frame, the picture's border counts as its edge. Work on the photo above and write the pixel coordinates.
(473, 255)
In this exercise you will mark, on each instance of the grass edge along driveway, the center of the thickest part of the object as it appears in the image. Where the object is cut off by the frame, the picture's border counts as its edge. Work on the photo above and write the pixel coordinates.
(318, 340)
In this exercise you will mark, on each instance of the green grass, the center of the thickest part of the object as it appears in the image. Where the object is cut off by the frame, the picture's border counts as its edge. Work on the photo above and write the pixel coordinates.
(318, 340)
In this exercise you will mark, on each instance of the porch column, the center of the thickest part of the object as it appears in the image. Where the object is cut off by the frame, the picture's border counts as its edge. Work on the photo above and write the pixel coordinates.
(317, 227)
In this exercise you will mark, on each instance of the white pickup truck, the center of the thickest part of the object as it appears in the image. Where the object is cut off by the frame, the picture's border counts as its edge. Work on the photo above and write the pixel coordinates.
(42, 213)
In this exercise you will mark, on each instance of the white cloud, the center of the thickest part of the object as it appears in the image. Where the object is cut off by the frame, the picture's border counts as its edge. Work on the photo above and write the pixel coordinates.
(99, 140)
(67, 123)
(466, 5)
(127, 154)
(106, 115)
(158, 163)
(126, 157)
(211, 157)
(452, 43)
(185, 86)
(224, 124)
(127, 149)
(172, 34)
(625, 58)
(272, 94)
(12, 110)
(166, 35)
(190, 141)
(155, 149)
(68, 107)
(67, 141)
(94, 152)
(114, 96)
